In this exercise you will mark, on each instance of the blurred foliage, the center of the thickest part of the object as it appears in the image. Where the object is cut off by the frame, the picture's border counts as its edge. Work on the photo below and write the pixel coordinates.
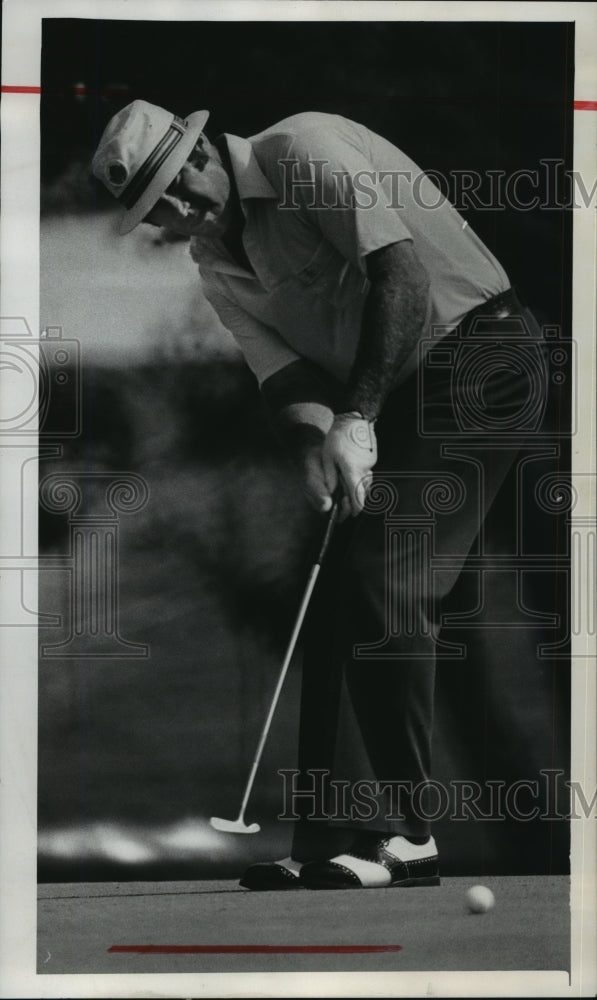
(223, 492)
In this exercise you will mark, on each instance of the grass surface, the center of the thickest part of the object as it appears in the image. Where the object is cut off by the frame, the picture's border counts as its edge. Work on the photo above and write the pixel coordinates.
(527, 929)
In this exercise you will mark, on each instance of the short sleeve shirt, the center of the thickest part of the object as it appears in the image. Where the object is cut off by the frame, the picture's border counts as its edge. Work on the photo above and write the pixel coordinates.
(319, 193)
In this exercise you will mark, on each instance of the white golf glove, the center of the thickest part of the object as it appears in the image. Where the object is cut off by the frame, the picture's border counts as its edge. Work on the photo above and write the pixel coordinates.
(349, 455)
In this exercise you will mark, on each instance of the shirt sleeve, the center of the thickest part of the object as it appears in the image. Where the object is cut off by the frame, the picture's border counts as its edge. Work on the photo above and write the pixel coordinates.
(262, 347)
(348, 196)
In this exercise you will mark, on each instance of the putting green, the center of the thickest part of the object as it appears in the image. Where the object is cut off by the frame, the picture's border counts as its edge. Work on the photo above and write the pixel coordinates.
(217, 927)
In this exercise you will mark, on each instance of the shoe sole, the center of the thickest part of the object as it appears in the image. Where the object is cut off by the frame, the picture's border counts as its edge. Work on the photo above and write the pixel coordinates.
(408, 883)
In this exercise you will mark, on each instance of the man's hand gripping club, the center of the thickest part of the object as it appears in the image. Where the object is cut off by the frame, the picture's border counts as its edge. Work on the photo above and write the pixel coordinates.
(348, 456)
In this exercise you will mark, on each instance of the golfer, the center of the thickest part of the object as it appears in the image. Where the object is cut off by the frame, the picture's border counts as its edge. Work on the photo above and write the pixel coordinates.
(349, 283)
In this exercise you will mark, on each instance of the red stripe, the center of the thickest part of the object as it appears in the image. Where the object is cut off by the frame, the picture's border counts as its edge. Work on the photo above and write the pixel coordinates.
(6, 89)
(253, 949)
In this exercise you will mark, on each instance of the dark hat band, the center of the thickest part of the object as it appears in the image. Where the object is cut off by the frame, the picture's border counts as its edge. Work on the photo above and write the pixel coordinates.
(153, 163)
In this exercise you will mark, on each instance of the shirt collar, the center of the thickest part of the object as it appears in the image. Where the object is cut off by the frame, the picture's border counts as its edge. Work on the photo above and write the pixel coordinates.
(250, 180)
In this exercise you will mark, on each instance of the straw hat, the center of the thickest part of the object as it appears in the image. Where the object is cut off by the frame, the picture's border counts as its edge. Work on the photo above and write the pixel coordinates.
(140, 153)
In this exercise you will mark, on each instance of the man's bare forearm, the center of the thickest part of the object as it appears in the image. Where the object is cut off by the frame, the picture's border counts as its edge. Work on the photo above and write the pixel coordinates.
(393, 319)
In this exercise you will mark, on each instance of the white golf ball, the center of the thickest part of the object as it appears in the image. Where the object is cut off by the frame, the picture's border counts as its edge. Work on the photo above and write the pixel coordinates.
(479, 899)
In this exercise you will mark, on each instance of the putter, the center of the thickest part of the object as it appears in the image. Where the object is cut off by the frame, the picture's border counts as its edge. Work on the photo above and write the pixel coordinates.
(238, 825)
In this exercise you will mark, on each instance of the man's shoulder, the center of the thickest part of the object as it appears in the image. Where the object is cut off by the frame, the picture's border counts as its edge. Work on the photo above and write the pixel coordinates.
(303, 121)
(306, 127)
(313, 135)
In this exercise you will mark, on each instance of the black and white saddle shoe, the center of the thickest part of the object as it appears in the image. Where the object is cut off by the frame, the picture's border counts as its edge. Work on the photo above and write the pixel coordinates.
(272, 875)
(375, 862)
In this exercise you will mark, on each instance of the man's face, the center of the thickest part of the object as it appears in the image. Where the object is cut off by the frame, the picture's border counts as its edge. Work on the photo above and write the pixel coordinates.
(198, 201)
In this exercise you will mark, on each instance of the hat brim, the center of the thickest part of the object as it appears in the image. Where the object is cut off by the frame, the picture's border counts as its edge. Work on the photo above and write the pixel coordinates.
(166, 174)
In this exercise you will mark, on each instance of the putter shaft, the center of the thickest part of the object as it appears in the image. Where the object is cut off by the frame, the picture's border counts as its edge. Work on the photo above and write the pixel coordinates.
(333, 517)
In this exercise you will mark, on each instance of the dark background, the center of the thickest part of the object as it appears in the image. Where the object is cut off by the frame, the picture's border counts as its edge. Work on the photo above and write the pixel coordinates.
(214, 568)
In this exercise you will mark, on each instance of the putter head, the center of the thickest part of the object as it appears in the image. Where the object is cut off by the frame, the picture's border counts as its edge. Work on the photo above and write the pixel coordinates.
(233, 825)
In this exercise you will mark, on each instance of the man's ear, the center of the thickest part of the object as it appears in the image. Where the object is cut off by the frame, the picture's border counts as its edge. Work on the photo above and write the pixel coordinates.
(200, 153)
